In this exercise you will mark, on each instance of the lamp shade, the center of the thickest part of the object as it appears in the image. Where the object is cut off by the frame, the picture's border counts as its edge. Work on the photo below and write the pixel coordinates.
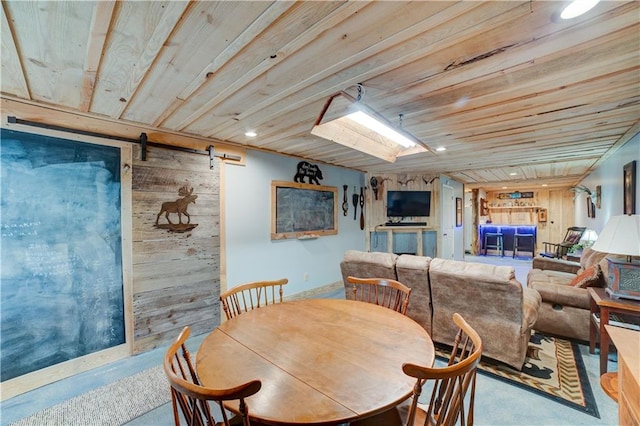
(588, 238)
(621, 235)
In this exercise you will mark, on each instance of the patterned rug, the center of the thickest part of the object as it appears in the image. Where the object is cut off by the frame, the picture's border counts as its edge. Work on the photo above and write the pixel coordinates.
(110, 405)
(554, 369)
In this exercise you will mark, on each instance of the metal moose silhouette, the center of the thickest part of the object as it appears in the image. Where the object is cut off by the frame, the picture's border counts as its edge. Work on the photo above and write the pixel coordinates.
(178, 206)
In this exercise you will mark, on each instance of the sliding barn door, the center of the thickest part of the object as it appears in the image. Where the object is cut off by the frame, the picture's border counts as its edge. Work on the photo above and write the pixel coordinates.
(176, 245)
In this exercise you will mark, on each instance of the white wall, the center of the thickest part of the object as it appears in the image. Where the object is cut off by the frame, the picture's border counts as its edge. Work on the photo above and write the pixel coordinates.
(252, 255)
(458, 232)
(609, 176)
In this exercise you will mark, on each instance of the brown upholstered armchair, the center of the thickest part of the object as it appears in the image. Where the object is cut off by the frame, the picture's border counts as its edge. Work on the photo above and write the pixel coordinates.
(565, 309)
(490, 298)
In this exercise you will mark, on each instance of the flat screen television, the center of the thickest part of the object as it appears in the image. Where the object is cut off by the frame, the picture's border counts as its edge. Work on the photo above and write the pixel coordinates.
(408, 203)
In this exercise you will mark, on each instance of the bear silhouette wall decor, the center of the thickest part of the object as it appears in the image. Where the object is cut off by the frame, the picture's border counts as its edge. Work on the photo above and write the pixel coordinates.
(308, 170)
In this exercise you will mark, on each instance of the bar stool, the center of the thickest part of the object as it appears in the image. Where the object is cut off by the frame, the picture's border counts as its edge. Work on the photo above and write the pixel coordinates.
(499, 242)
(524, 241)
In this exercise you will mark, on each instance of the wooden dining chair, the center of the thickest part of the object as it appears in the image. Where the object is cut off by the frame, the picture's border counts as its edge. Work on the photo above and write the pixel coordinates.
(450, 386)
(192, 398)
(250, 296)
(381, 291)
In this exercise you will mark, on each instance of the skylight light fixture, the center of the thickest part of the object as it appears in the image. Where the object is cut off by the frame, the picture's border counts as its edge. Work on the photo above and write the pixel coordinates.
(577, 8)
(370, 122)
(351, 123)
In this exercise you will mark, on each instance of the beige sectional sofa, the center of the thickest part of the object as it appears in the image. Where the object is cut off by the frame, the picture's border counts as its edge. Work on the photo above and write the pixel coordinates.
(565, 308)
(487, 296)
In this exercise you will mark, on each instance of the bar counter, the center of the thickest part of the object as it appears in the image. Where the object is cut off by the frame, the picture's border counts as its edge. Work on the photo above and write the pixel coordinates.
(508, 232)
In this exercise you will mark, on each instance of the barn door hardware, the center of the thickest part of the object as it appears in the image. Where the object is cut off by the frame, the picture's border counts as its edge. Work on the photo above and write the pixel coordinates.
(213, 154)
(143, 146)
(142, 140)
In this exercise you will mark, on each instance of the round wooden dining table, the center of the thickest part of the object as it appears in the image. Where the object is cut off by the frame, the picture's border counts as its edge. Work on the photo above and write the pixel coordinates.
(321, 361)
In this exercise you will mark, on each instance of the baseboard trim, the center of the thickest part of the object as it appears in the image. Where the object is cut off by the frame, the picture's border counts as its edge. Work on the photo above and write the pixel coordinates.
(315, 292)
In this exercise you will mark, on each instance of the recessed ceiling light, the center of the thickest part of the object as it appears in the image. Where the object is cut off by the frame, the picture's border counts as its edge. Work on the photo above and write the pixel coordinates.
(441, 148)
(512, 174)
(577, 8)
(504, 187)
(251, 134)
(544, 184)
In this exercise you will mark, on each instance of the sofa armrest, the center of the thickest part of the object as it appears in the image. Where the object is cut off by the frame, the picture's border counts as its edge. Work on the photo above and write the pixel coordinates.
(555, 265)
(531, 302)
(563, 295)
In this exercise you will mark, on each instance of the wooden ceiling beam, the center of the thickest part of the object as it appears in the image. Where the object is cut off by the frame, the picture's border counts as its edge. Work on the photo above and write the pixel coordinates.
(98, 30)
(13, 76)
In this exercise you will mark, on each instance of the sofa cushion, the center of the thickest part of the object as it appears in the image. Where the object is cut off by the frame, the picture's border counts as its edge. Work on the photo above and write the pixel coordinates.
(531, 301)
(490, 299)
(387, 260)
(589, 258)
(544, 263)
(364, 264)
(560, 295)
(413, 271)
(409, 261)
(591, 277)
(484, 271)
(548, 277)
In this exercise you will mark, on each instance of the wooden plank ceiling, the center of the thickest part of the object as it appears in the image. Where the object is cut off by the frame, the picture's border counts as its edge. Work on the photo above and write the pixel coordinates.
(516, 96)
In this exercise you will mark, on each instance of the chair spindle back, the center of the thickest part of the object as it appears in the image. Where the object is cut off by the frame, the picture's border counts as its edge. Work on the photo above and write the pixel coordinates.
(188, 394)
(381, 291)
(451, 383)
(246, 297)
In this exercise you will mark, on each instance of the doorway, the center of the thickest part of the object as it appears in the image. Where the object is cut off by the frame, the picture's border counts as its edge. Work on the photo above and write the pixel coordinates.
(447, 221)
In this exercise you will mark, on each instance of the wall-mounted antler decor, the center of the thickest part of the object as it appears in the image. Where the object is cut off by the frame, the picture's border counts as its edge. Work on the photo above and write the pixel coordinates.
(579, 189)
(404, 180)
(593, 198)
(377, 184)
(428, 181)
(594, 195)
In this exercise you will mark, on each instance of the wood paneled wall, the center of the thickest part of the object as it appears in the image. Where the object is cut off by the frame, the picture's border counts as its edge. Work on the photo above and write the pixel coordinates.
(176, 275)
(376, 210)
(560, 213)
(558, 203)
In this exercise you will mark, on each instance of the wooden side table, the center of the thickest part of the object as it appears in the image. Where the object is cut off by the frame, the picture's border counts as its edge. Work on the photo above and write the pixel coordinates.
(573, 257)
(627, 342)
(603, 305)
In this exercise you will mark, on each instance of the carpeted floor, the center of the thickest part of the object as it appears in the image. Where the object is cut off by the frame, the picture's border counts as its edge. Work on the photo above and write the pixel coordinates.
(499, 401)
(553, 368)
(110, 405)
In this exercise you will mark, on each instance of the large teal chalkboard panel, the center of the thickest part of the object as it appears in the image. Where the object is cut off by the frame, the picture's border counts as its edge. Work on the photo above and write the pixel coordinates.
(61, 275)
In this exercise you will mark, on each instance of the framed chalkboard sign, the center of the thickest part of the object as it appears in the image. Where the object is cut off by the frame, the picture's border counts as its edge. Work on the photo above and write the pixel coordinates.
(300, 210)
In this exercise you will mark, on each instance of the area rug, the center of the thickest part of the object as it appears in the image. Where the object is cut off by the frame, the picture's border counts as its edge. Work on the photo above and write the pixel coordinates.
(113, 404)
(552, 368)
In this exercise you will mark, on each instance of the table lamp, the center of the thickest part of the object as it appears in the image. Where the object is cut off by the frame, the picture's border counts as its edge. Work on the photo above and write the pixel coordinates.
(588, 238)
(621, 236)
